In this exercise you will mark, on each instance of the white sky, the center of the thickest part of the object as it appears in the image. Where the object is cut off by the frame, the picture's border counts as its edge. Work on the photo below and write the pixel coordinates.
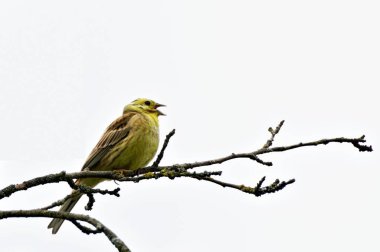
(227, 70)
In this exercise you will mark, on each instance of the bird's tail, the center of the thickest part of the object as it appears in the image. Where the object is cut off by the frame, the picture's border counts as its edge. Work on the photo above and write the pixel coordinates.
(69, 204)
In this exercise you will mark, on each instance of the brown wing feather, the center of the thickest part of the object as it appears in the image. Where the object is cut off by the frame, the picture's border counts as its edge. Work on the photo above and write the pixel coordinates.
(118, 130)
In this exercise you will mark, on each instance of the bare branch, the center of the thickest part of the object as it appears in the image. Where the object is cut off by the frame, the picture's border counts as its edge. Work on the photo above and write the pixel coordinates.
(258, 190)
(253, 155)
(166, 142)
(354, 141)
(74, 218)
(145, 171)
(156, 172)
(172, 174)
(90, 194)
(273, 134)
(362, 147)
(63, 176)
(88, 191)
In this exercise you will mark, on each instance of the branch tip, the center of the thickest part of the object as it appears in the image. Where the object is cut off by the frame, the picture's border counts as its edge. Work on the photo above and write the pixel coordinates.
(161, 154)
(260, 183)
(91, 201)
(273, 133)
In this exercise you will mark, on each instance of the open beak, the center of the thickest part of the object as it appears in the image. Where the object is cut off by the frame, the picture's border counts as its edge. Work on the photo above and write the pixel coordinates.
(157, 106)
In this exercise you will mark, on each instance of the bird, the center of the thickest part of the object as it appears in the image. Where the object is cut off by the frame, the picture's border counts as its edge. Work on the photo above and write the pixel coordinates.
(129, 142)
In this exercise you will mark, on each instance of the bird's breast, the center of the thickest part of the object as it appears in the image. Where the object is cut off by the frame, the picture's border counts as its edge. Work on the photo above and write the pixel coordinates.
(138, 149)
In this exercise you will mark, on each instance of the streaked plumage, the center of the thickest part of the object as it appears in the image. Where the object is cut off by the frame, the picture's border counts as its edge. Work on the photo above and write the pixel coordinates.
(129, 142)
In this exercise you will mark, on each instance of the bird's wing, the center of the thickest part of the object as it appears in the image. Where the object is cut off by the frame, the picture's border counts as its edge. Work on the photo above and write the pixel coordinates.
(117, 131)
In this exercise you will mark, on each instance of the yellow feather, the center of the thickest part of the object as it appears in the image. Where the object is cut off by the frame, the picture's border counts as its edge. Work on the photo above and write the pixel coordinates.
(130, 142)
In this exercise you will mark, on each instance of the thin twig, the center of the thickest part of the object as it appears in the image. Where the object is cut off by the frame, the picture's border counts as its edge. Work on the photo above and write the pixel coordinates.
(258, 190)
(273, 134)
(166, 142)
(207, 176)
(90, 194)
(91, 201)
(355, 141)
(86, 190)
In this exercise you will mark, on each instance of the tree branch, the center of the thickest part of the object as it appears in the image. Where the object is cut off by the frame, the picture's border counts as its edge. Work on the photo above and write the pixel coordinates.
(166, 142)
(357, 142)
(128, 175)
(156, 172)
(258, 190)
(73, 218)
(273, 134)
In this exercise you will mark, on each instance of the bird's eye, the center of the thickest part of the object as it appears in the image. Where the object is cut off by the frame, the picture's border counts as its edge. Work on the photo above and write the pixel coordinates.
(147, 103)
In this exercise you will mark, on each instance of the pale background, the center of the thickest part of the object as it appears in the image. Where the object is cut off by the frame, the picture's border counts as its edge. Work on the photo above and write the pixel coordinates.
(227, 70)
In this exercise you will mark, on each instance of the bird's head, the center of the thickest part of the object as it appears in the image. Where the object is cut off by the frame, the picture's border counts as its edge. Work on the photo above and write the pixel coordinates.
(144, 105)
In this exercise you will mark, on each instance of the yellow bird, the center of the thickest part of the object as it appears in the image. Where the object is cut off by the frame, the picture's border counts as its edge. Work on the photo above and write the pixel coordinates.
(129, 142)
